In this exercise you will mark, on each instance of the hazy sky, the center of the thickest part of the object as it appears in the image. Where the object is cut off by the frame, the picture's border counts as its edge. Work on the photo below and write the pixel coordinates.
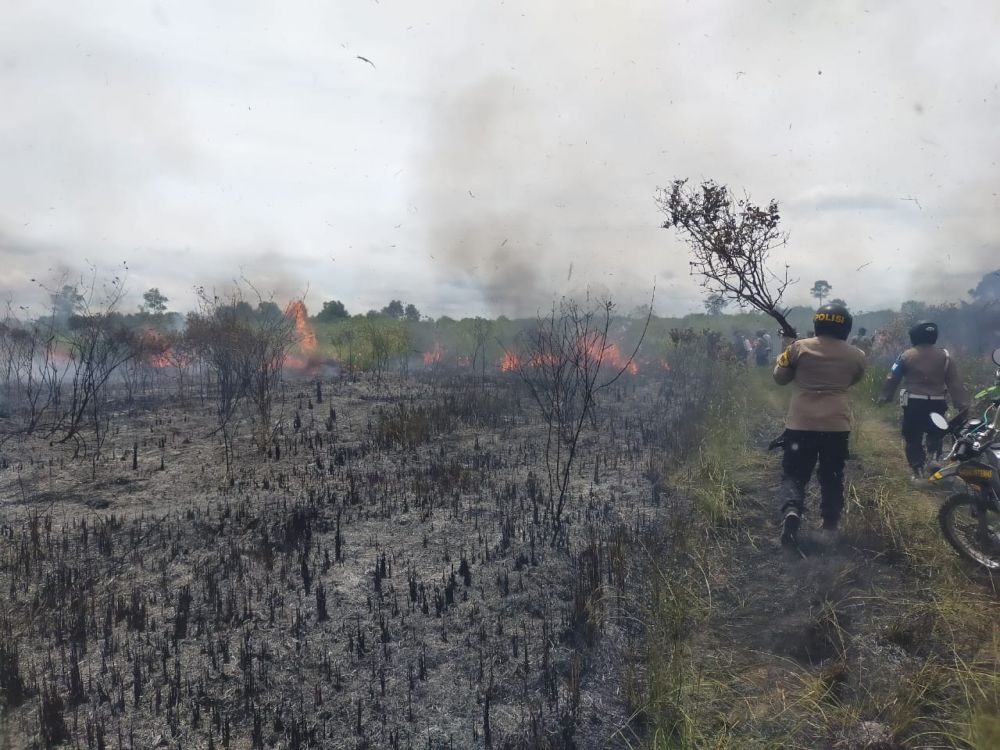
(494, 153)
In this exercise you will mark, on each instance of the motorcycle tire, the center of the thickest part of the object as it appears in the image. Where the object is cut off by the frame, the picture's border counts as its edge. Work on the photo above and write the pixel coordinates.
(960, 518)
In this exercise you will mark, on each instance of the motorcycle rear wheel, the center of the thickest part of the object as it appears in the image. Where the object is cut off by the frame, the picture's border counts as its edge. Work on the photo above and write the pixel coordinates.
(972, 528)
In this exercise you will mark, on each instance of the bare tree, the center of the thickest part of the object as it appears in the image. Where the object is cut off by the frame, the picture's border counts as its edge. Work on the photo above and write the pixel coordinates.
(98, 344)
(179, 355)
(348, 338)
(222, 340)
(565, 363)
(32, 375)
(246, 352)
(271, 339)
(731, 241)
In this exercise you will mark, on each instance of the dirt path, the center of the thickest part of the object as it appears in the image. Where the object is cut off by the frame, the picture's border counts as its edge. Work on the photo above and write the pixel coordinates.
(824, 646)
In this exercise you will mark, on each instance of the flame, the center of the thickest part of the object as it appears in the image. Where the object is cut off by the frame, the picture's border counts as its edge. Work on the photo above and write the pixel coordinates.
(307, 338)
(612, 357)
(509, 362)
(540, 360)
(434, 355)
(155, 348)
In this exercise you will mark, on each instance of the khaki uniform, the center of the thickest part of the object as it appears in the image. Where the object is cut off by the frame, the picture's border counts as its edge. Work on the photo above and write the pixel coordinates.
(820, 370)
(927, 370)
(863, 343)
(930, 377)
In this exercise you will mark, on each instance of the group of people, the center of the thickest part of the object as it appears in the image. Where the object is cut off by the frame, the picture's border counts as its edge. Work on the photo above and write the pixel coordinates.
(753, 350)
(821, 368)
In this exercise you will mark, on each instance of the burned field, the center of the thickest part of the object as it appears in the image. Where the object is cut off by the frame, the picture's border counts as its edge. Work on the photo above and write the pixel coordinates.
(393, 571)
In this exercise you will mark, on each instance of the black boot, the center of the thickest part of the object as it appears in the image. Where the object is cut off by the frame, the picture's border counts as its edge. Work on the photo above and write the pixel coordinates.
(790, 527)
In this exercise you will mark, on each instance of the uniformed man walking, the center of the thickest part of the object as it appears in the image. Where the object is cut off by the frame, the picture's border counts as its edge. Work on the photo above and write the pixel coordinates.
(930, 377)
(820, 369)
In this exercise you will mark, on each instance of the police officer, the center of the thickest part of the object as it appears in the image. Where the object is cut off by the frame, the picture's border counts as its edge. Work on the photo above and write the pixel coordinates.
(820, 369)
(862, 341)
(930, 376)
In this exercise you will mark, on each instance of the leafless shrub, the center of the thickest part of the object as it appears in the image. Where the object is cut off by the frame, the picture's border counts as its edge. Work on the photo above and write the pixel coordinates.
(32, 375)
(272, 338)
(564, 363)
(98, 344)
(731, 241)
(246, 352)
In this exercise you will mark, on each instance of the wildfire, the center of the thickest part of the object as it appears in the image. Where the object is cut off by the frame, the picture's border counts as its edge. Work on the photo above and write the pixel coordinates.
(156, 349)
(509, 362)
(665, 365)
(307, 338)
(612, 357)
(434, 355)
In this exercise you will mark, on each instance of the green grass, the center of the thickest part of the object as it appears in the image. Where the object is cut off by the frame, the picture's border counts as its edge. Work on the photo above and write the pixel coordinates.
(943, 611)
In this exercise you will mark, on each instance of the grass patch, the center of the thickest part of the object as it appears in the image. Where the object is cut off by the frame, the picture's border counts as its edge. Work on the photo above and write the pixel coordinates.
(936, 623)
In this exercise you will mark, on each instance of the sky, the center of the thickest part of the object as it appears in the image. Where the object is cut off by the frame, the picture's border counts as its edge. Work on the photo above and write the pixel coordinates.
(487, 156)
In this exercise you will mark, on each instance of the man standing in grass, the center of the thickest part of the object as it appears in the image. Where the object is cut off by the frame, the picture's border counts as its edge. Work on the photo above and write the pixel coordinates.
(862, 341)
(820, 369)
(930, 377)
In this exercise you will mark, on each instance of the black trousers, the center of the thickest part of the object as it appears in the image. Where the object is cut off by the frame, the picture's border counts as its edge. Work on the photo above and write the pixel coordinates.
(803, 448)
(918, 430)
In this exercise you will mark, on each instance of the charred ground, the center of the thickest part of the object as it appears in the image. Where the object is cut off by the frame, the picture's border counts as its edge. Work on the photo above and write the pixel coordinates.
(381, 576)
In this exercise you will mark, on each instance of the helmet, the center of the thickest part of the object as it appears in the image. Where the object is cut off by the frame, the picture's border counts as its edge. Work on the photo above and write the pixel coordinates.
(924, 332)
(833, 320)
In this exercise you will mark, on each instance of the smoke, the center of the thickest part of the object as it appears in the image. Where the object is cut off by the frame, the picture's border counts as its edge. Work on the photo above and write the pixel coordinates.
(482, 214)
(535, 137)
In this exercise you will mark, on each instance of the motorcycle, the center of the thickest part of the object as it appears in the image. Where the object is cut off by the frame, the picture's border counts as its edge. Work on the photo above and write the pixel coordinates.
(970, 520)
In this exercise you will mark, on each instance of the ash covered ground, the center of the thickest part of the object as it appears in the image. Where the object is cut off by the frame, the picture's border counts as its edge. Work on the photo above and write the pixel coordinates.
(383, 576)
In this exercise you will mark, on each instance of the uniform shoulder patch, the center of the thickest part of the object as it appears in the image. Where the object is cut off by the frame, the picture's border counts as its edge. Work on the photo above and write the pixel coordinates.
(783, 358)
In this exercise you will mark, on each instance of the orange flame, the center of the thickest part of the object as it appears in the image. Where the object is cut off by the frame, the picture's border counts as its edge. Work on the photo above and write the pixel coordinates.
(540, 360)
(307, 338)
(434, 355)
(155, 349)
(509, 362)
(612, 357)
